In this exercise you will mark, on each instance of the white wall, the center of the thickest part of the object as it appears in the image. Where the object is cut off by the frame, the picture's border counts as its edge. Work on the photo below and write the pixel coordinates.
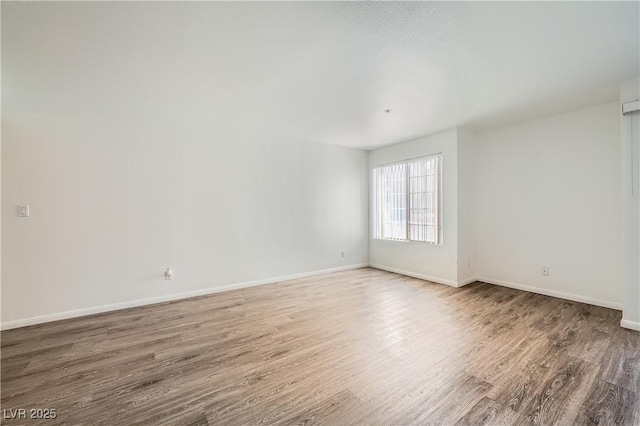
(116, 198)
(433, 262)
(548, 194)
(467, 262)
(630, 164)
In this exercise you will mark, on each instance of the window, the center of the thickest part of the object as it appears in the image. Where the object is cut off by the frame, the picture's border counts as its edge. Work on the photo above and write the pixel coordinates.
(406, 200)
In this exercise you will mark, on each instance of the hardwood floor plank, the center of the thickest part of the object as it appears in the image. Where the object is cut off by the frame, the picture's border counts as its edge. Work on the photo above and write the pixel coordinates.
(620, 362)
(609, 404)
(562, 391)
(487, 412)
(452, 405)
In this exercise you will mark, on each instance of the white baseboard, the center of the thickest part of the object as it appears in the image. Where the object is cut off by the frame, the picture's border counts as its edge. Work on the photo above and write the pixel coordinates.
(553, 293)
(167, 298)
(631, 325)
(415, 275)
(462, 283)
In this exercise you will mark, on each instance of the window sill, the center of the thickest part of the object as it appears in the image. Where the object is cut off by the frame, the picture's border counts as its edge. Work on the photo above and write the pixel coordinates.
(422, 243)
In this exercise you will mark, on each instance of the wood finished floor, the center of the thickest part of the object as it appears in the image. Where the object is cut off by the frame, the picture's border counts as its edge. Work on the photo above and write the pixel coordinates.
(356, 347)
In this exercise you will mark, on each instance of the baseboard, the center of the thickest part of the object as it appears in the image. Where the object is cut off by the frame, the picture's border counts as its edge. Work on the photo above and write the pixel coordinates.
(415, 275)
(467, 281)
(561, 295)
(167, 298)
(631, 325)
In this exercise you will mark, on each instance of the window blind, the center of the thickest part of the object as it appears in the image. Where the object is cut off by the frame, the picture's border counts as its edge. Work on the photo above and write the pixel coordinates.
(407, 200)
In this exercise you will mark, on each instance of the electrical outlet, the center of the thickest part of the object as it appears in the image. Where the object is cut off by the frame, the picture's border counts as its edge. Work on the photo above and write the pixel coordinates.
(23, 210)
(343, 253)
(545, 271)
(168, 274)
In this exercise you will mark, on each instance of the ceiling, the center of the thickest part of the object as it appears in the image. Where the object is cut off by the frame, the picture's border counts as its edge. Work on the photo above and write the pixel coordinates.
(323, 71)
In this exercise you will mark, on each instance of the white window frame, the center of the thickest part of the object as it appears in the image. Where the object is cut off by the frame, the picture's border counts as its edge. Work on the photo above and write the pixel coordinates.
(376, 230)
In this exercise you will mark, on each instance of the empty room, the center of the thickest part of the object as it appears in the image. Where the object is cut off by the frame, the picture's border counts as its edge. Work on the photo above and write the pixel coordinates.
(335, 213)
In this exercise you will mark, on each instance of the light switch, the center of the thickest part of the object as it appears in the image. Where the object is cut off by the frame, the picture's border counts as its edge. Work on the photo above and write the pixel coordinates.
(23, 211)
